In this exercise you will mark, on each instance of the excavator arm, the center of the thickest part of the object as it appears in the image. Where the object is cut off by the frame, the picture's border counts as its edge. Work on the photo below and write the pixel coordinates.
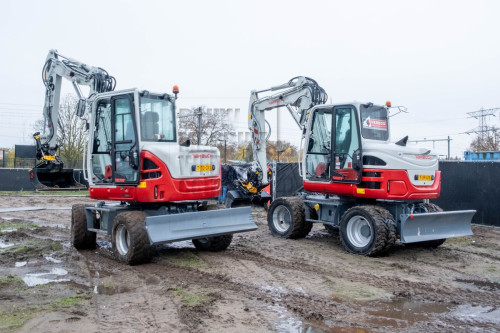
(298, 95)
(56, 68)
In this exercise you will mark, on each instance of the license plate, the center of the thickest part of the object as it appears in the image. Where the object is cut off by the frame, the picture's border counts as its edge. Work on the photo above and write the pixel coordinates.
(425, 177)
(204, 167)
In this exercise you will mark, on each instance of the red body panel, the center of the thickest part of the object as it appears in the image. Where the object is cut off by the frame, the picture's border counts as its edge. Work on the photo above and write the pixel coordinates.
(394, 185)
(166, 188)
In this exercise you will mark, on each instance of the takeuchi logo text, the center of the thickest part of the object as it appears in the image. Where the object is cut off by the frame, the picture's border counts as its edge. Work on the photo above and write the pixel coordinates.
(423, 157)
(202, 155)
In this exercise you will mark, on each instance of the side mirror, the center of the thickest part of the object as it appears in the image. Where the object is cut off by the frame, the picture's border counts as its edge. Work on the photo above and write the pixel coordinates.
(357, 162)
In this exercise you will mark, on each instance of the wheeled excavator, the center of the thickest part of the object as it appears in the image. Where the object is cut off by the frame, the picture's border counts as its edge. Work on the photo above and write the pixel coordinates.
(151, 189)
(376, 192)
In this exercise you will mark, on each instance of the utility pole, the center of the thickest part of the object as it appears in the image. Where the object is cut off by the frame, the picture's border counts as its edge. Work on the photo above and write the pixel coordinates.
(199, 113)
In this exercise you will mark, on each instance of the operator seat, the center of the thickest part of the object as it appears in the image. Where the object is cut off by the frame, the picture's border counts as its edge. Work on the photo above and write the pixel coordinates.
(150, 125)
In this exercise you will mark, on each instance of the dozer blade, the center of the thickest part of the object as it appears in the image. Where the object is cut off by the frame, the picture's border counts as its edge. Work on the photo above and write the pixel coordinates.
(178, 227)
(439, 225)
(44, 179)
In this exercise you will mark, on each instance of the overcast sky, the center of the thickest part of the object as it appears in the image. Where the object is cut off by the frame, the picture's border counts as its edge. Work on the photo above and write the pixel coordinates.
(440, 59)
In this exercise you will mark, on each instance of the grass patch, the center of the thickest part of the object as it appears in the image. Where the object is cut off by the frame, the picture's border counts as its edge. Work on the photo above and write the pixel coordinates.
(191, 299)
(35, 247)
(491, 269)
(67, 302)
(187, 259)
(10, 321)
(11, 280)
(5, 225)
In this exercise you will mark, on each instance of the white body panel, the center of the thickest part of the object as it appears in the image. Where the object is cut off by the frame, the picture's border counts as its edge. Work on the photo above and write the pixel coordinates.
(415, 160)
(179, 160)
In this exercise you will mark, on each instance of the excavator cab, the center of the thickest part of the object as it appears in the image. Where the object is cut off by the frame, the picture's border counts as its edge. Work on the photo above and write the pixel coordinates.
(334, 149)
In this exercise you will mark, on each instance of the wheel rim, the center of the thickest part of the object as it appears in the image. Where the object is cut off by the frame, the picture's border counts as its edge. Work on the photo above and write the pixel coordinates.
(282, 218)
(359, 231)
(122, 240)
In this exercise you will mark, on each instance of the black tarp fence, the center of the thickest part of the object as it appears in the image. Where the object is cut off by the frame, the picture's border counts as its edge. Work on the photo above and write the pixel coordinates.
(471, 185)
(288, 180)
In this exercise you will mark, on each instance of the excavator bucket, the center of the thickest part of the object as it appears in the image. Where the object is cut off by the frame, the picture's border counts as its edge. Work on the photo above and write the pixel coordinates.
(178, 227)
(46, 179)
(439, 225)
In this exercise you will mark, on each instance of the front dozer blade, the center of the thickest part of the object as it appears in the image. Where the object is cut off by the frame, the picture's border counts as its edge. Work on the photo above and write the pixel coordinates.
(439, 225)
(46, 179)
(178, 227)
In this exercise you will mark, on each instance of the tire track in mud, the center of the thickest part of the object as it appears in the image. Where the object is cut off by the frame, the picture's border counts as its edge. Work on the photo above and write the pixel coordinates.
(309, 307)
(399, 286)
(125, 306)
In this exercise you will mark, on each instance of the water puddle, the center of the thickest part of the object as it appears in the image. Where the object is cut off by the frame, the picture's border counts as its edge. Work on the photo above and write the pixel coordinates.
(287, 322)
(5, 245)
(36, 279)
(403, 310)
(9, 230)
(55, 261)
(477, 314)
(482, 285)
(20, 209)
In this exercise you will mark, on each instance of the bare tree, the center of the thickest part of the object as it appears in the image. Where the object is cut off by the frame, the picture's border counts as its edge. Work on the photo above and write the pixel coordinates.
(215, 126)
(489, 141)
(71, 134)
(281, 151)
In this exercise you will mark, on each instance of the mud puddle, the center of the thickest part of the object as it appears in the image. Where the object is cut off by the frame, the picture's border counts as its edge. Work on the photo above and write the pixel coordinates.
(481, 285)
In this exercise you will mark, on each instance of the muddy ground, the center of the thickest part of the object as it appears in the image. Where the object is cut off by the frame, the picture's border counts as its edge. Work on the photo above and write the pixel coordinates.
(259, 284)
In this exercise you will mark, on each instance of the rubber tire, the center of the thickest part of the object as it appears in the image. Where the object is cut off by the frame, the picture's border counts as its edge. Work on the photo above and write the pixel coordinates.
(139, 247)
(80, 237)
(432, 244)
(298, 227)
(378, 237)
(214, 244)
(392, 232)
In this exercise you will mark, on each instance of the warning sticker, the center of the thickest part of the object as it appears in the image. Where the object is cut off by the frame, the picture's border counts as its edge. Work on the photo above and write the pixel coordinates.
(376, 124)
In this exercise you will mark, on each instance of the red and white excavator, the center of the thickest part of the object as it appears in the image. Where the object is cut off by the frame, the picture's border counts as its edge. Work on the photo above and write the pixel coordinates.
(159, 187)
(354, 178)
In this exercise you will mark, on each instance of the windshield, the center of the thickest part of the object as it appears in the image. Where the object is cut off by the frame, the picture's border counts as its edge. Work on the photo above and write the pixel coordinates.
(157, 119)
(374, 122)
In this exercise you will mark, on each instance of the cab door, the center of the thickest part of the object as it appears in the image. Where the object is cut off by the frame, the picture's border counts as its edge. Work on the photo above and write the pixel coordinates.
(346, 163)
(125, 153)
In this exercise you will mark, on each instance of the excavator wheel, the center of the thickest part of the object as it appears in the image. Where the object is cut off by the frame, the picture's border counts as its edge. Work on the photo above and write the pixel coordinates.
(392, 233)
(432, 244)
(129, 238)
(363, 230)
(214, 244)
(81, 238)
(286, 219)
